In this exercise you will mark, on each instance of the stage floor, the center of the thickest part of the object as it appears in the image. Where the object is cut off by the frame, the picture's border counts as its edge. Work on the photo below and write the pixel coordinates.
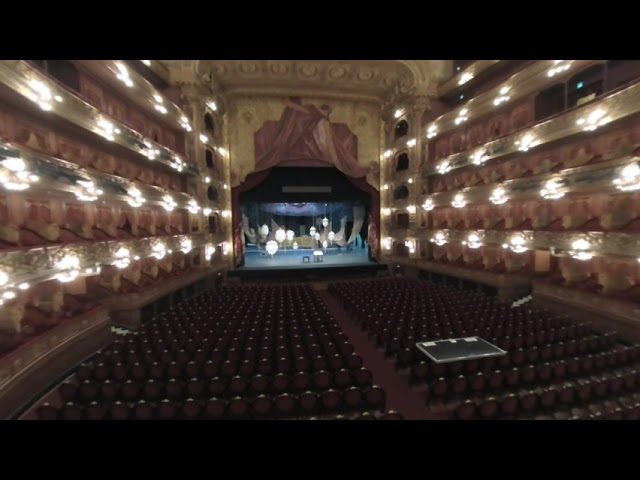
(293, 259)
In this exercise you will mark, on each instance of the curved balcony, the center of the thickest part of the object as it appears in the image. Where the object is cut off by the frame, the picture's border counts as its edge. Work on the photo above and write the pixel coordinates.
(460, 78)
(52, 98)
(620, 245)
(521, 84)
(615, 107)
(141, 92)
(56, 176)
(578, 180)
(67, 262)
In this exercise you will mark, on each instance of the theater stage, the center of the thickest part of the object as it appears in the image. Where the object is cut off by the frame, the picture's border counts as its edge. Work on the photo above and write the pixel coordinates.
(290, 265)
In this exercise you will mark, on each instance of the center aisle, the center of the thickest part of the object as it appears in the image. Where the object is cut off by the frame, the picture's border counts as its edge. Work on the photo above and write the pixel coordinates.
(399, 396)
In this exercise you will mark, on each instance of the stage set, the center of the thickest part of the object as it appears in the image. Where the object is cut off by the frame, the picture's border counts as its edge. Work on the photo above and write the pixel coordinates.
(304, 235)
(321, 225)
(304, 189)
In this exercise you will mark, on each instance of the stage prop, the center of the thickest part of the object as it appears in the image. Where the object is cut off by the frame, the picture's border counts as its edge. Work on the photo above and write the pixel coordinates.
(290, 234)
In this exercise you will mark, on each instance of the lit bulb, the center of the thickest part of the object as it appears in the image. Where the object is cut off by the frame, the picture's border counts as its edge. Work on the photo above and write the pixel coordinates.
(428, 204)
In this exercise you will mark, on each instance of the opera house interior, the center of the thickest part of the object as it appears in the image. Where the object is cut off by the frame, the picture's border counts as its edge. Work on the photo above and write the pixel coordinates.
(319, 240)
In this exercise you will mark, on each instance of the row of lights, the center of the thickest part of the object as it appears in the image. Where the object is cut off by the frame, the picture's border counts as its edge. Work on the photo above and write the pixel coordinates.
(68, 267)
(108, 131)
(594, 120)
(559, 66)
(581, 248)
(42, 96)
(628, 180)
(9, 288)
(88, 192)
(124, 77)
(589, 123)
(15, 175)
(553, 189)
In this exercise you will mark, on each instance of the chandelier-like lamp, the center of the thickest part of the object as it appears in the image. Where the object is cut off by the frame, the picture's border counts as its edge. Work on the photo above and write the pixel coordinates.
(272, 247)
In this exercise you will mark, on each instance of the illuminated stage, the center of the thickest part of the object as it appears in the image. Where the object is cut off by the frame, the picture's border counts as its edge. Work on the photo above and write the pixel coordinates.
(289, 266)
(296, 213)
(294, 259)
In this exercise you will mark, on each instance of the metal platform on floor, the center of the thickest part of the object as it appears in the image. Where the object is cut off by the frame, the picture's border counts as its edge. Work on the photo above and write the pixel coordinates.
(459, 349)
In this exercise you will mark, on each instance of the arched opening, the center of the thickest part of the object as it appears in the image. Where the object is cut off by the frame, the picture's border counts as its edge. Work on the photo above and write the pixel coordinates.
(401, 192)
(213, 223)
(208, 122)
(208, 158)
(402, 220)
(550, 102)
(212, 193)
(402, 162)
(402, 129)
(65, 72)
(586, 85)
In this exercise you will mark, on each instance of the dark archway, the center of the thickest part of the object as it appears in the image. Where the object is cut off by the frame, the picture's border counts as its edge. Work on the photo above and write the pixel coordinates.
(402, 162)
(212, 193)
(208, 123)
(402, 129)
(214, 223)
(400, 193)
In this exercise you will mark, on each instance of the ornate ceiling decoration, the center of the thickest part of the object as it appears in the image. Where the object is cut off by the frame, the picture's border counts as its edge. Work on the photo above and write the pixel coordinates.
(372, 80)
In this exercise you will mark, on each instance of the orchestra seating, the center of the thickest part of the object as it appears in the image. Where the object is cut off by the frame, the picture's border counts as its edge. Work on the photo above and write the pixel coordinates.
(555, 367)
(239, 352)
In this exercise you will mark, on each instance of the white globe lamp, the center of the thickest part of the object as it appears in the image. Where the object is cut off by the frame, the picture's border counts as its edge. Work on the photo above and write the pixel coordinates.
(272, 247)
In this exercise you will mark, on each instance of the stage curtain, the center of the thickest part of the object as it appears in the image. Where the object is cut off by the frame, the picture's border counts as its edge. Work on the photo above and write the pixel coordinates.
(251, 182)
(374, 220)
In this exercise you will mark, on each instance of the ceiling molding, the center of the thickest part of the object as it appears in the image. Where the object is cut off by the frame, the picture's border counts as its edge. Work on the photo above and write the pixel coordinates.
(370, 80)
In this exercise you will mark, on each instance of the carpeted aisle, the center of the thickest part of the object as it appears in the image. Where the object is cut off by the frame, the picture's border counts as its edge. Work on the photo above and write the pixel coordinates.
(399, 396)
